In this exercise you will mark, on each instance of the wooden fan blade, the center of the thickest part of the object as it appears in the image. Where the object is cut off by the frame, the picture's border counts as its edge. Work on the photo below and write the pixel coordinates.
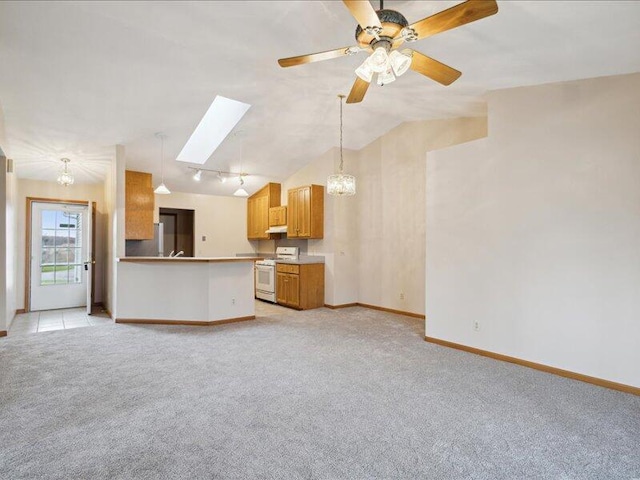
(433, 69)
(313, 57)
(358, 91)
(453, 17)
(363, 12)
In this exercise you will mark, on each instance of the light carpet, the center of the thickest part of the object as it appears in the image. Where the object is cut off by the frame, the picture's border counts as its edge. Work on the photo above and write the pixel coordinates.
(346, 394)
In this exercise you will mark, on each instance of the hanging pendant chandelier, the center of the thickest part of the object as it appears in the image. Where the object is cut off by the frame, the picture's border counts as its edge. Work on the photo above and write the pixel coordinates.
(341, 184)
(162, 188)
(65, 177)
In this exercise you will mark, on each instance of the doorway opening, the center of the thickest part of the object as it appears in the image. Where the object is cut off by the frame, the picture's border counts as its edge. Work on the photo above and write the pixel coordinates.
(60, 246)
(178, 231)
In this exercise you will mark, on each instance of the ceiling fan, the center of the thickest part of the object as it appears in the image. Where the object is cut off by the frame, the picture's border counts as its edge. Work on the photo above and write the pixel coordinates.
(382, 32)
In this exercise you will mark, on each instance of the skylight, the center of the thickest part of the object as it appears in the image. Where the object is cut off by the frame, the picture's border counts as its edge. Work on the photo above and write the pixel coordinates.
(222, 116)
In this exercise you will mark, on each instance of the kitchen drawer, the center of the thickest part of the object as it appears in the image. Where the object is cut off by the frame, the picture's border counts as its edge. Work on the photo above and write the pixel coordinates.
(284, 268)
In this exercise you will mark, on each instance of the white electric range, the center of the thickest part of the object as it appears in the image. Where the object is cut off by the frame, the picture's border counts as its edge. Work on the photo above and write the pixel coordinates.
(266, 273)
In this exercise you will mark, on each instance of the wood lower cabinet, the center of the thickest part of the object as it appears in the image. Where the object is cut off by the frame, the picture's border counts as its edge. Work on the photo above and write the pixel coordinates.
(258, 206)
(305, 215)
(300, 286)
(138, 206)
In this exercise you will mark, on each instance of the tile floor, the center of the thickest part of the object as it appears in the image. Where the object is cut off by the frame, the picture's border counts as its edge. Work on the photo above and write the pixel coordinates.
(47, 320)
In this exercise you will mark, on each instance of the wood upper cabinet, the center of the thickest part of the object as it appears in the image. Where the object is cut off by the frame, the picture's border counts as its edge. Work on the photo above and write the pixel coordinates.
(277, 216)
(305, 216)
(300, 286)
(258, 206)
(139, 205)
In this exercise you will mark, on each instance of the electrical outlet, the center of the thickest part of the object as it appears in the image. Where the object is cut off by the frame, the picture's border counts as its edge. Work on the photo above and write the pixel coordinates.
(401, 296)
(476, 325)
(233, 301)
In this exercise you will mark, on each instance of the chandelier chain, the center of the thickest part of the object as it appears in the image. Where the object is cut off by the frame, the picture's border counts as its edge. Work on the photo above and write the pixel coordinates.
(341, 97)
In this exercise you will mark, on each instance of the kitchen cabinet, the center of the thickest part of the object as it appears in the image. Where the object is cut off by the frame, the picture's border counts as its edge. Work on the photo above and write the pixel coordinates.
(305, 216)
(138, 206)
(258, 206)
(277, 216)
(300, 286)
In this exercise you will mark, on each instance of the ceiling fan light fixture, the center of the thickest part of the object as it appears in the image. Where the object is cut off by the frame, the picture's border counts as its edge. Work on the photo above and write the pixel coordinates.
(379, 60)
(365, 72)
(386, 77)
(400, 62)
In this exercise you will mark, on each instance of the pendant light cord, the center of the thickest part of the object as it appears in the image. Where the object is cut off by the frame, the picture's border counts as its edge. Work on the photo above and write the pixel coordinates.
(162, 158)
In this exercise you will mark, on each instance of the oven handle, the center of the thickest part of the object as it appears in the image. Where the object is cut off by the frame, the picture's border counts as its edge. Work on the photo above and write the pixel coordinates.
(265, 267)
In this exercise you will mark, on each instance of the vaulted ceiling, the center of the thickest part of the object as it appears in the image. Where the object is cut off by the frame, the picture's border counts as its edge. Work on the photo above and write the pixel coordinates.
(78, 78)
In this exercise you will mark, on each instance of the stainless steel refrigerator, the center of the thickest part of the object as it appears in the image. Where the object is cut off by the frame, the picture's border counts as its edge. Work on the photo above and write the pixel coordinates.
(147, 248)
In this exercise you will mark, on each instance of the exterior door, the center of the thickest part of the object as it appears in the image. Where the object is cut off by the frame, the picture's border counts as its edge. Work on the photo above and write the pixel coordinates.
(60, 246)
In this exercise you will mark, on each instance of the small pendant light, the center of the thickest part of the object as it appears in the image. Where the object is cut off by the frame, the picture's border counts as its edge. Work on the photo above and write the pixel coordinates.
(162, 188)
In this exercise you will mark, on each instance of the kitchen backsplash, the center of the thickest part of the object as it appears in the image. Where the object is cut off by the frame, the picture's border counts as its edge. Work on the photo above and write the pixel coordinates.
(269, 246)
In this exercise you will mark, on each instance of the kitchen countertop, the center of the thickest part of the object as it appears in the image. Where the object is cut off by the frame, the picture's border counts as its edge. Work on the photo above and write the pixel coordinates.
(190, 259)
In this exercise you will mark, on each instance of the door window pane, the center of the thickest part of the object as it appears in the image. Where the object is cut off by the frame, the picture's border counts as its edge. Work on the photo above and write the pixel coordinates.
(62, 274)
(61, 254)
(48, 256)
(75, 274)
(48, 219)
(47, 275)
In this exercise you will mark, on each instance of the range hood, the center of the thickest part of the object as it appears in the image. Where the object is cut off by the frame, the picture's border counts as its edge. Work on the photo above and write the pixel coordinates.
(277, 229)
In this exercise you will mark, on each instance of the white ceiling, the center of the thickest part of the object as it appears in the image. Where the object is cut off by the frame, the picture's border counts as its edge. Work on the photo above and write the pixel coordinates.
(79, 77)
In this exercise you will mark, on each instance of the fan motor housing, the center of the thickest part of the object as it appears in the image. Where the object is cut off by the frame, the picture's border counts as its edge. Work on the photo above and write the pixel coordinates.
(392, 23)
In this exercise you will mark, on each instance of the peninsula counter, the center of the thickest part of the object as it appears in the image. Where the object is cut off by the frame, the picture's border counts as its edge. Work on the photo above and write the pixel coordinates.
(185, 290)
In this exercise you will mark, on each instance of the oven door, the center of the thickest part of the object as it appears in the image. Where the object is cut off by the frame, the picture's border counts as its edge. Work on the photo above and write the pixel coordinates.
(265, 278)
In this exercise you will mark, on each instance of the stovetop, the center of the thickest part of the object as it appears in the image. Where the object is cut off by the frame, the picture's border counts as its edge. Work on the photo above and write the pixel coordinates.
(282, 253)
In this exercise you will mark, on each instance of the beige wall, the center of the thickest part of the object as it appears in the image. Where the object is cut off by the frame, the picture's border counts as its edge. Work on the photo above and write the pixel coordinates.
(534, 232)
(111, 237)
(222, 220)
(12, 244)
(391, 209)
(93, 192)
(374, 242)
(8, 254)
(337, 246)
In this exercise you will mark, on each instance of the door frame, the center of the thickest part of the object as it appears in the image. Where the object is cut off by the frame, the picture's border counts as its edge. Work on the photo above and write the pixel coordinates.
(176, 212)
(27, 250)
